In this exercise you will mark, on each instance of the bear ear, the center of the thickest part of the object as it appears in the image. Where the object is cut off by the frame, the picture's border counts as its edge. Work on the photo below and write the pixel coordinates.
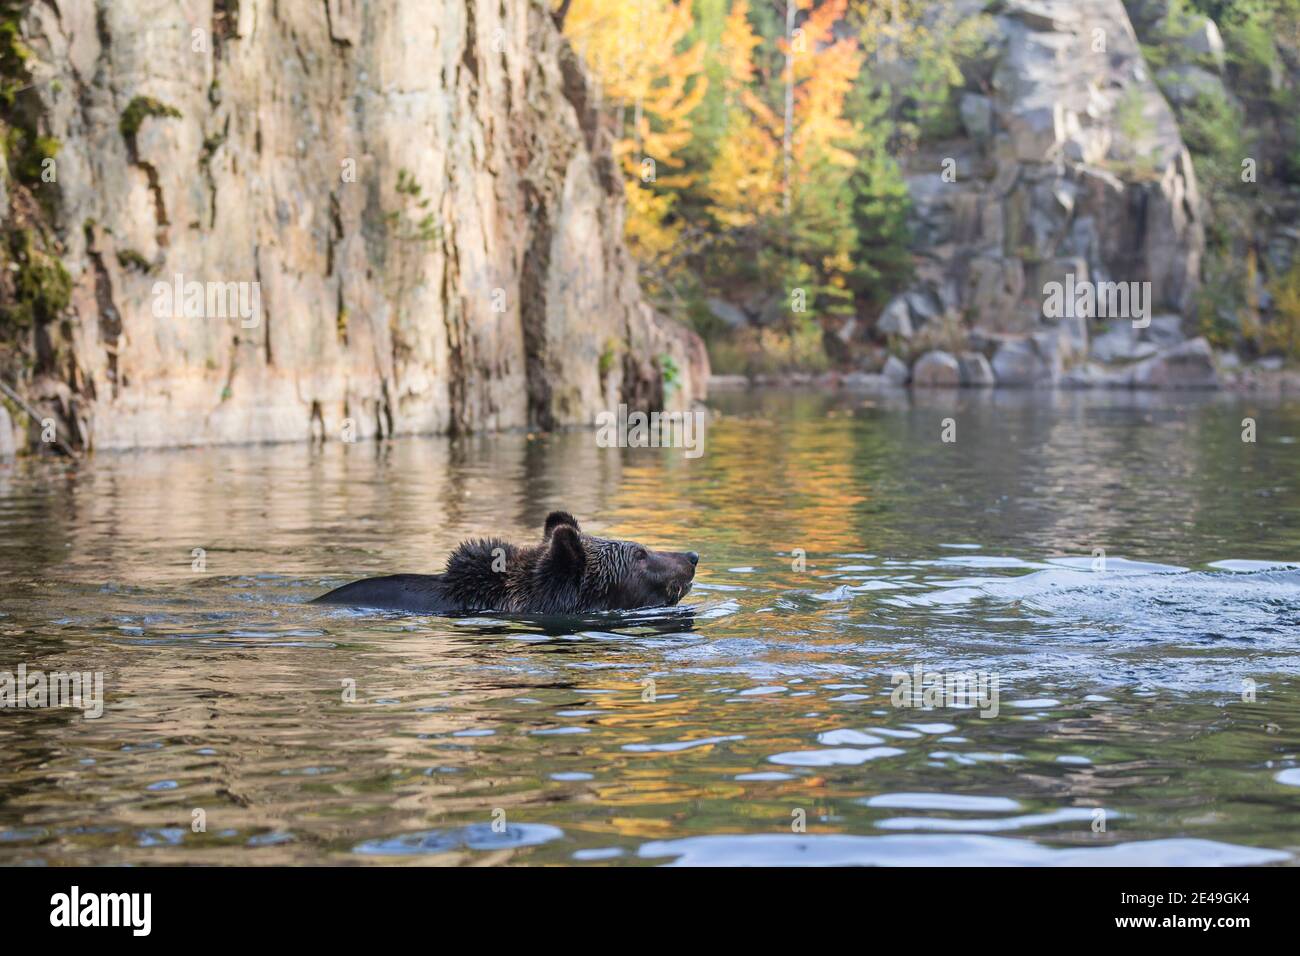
(565, 554)
(558, 518)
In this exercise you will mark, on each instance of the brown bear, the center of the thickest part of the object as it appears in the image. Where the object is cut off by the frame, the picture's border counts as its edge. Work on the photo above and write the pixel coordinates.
(568, 573)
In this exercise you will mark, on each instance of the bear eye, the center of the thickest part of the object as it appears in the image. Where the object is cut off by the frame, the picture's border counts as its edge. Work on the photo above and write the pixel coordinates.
(640, 554)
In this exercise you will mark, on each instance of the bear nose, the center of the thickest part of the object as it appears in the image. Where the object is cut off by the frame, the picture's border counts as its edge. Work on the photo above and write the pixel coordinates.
(692, 557)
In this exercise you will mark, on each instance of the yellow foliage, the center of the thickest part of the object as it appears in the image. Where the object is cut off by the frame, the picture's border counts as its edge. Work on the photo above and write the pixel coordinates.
(736, 53)
(632, 49)
(745, 182)
(648, 234)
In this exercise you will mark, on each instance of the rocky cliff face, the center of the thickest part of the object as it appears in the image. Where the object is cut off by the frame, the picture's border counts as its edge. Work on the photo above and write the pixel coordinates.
(1070, 164)
(414, 197)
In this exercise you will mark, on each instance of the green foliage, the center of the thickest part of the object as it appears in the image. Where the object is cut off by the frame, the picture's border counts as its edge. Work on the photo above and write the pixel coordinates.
(1248, 27)
(14, 53)
(792, 346)
(1214, 130)
(672, 375)
(605, 364)
(709, 119)
(27, 152)
(1282, 335)
(1219, 297)
(131, 259)
(882, 262)
(1129, 114)
(42, 286)
(939, 55)
(1291, 163)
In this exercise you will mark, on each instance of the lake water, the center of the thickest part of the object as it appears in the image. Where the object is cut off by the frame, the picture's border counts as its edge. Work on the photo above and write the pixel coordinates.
(1141, 703)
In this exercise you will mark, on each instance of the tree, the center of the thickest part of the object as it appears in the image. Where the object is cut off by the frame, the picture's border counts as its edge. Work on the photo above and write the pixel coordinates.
(780, 178)
(653, 80)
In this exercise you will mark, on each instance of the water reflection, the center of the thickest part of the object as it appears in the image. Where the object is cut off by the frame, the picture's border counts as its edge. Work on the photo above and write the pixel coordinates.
(842, 540)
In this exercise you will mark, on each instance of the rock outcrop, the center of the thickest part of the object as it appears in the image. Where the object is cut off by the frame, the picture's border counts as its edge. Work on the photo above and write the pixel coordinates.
(1071, 169)
(415, 198)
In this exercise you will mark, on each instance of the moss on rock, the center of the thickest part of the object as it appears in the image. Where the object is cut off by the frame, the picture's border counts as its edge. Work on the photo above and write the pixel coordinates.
(42, 287)
(141, 107)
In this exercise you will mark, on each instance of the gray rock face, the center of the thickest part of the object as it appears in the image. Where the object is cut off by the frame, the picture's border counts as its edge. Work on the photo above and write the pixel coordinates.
(420, 192)
(977, 116)
(1165, 331)
(936, 370)
(1083, 172)
(1189, 365)
(1044, 14)
(896, 319)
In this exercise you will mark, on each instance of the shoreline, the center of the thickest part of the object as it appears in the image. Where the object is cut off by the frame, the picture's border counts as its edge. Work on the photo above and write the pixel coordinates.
(1245, 381)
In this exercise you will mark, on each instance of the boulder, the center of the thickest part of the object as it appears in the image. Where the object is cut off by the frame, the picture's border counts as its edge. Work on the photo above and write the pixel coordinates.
(1092, 375)
(1027, 362)
(895, 372)
(976, 372)
(730, 315)
(1120, 343)
(936, 370)
(1189, 365)
(862, 381)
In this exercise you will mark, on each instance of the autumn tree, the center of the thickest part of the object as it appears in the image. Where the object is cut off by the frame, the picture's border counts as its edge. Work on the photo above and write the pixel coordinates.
(650, 79)
(779, 182)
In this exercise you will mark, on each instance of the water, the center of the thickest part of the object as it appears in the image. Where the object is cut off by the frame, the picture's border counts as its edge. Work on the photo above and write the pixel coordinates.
(1124, 696)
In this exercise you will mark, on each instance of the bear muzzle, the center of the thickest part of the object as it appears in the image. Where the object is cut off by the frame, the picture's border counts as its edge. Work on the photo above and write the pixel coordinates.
(681, 587)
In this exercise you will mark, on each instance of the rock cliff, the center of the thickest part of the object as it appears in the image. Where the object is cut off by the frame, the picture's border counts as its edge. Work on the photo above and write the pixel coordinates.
(1069, 168)
(380, 219)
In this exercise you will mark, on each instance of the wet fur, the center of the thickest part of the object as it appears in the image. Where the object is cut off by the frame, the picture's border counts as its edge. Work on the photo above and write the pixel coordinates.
(567, 573)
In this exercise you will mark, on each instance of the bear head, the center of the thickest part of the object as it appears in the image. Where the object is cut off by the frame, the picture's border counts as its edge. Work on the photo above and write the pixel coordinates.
(604, 574)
